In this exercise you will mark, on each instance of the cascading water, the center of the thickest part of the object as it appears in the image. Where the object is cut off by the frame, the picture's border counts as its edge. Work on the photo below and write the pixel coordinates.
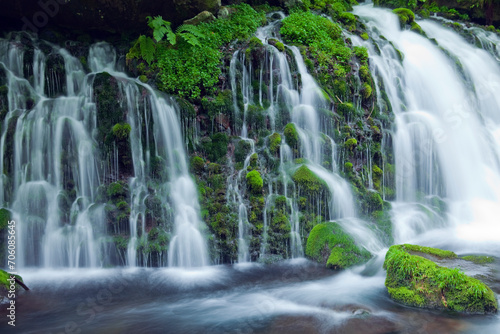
(57, 171)
(283, 98)
(446, 140)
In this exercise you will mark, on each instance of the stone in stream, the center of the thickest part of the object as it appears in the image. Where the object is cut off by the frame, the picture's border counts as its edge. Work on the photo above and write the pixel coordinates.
(414, 279)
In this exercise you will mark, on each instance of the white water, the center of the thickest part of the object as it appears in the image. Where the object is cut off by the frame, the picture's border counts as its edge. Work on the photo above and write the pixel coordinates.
(298, 102)
(54, 144)
(447, 124)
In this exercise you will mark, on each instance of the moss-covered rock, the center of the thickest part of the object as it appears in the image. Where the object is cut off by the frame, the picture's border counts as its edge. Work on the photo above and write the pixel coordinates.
(417, 281)
(255, 182)
(291, 135)
(309, 182)
(405, 15)
(197, 164)
(274, 143)
(330, 245)
(478, 259)
(5, 282)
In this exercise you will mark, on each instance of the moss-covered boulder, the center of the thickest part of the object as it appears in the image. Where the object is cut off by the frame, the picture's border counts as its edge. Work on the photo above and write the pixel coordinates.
(5, 283)
(414, 280)
(308, 182)
(255, 182)
(330, 245)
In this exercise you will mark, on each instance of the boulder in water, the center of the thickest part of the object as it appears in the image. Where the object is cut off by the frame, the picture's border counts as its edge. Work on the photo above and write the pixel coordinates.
(329, 244)
(415, 280)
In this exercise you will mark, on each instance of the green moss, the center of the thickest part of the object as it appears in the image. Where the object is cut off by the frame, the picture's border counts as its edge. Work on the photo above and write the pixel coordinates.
(322, 38)
(4, 284)
(416, 281)
(346, 109)
(351, 143)
(274, 143)
(254, 158)
(241, 151)
(443, 254)
(192, 77)
(117, 189)
(416, 28)
(197, 164)
(216, 148)
(364, 36)
(329, 244)
(121, 131)
(367, 90)
(255, 42)
(479, 259)
(255, 182)
(291, 135)
(405, 15)
(143, 78)
(406, 296)
(364, 73)
(309, 182)
(5, 217)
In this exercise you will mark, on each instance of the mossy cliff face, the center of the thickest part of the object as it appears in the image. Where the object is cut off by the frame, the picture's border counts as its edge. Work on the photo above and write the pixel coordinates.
(350, 116)
(417, 281)
(478, 11)
(330, 245)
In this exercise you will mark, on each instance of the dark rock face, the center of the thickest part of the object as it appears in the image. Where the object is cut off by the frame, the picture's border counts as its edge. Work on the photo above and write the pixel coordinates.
(110, 16)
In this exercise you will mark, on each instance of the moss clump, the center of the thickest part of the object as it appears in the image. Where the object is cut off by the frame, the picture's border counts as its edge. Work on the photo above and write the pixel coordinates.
(5, 216)
(308, 181)
(346, 109)
(291, 135)
(351, 143)
(274, 143)
(405, 15)
(478, 259)
(121, 131)
(197, 164)
(4, 284)
(255, 42)
(416, 281)
(416, 28)
(255, 182)
(364, 36)
(367, 90)
(442, 254)
(254, 158)
(329, 244)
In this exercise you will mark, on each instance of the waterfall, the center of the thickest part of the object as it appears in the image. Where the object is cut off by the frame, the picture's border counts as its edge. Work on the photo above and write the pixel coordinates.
(56, 168)
(446, 142)
(287, 96)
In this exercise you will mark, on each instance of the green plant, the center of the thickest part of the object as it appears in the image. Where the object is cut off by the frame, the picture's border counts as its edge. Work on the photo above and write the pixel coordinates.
(255, 182)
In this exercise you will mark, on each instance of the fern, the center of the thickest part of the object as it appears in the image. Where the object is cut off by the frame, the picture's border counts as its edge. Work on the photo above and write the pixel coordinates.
(190, 33)
(161, 28)
(147, 48)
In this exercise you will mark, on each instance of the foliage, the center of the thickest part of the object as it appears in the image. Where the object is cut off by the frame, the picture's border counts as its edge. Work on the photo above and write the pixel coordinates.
(329, 244)
(255, 182)
(192, 69)
(197, 164)
(5, 216)
(309, 182)
(274, 143)
(417, 281)
(479, 259)
(405, 15)
(121, 131)
(321, 36)
(291, 135)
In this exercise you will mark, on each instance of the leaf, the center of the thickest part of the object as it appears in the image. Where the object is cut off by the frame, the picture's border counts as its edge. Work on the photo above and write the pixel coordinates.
(190, 29)
(172, 38)
(147, 48)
